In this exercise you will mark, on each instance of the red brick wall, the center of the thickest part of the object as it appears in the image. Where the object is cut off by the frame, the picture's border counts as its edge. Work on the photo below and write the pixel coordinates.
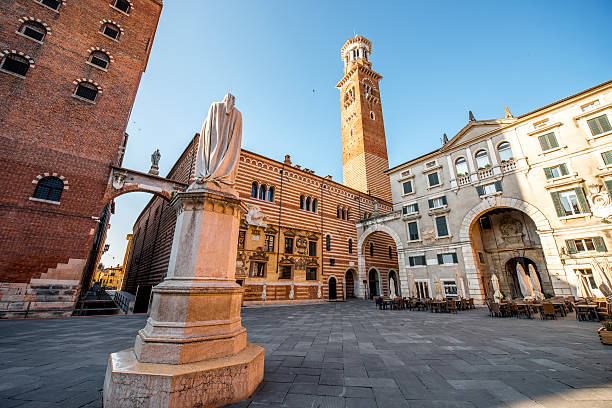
(43, 129)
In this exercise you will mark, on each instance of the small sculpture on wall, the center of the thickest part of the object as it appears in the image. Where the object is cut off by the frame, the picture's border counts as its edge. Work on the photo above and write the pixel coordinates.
(255, 217)
(511, 230)
(155, 163)
(301, 244)
(599, 201)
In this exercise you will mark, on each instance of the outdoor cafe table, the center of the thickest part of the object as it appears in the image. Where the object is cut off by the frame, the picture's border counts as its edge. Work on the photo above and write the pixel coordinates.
(439, 305)
(590, 309)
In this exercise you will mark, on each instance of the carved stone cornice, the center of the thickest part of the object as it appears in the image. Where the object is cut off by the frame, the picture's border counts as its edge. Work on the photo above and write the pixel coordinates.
(208, 201)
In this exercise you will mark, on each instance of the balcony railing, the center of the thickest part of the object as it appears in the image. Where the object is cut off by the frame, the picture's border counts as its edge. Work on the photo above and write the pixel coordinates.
(508, 166)
(485, 173)
(463, 180)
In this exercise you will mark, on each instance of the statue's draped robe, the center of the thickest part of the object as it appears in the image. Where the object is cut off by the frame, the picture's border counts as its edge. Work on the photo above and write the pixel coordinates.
(219, 146)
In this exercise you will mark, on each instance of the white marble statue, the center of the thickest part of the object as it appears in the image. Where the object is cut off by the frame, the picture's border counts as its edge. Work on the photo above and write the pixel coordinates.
(219, 146)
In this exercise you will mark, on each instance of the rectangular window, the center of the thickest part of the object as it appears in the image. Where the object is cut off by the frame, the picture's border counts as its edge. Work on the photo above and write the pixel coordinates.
(433, 179)
(607, 157)
(312, 248)
(559, 170)
(111, 32)
(258, 269)
(438, 202)
(588, 274)
(311, 273)
(431, 164)
(410, 209)
(332, 262)
(450, 289)
(288, 245)
(449, 258)
(417, 260)
(407, 186)
(599, 125)
(569, 201)
(489, 189)
(241, 239)
(441, 226)
(548, 141)
(584, 244)
(485, 222)
(270, 243)
(413, 231)
(54, 4)
(422, 289)
(284, 272)
(32, 33)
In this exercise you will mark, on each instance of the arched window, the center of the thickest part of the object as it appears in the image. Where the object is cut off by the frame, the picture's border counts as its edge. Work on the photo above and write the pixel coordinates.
(34, 30)
(87, 91)
(350, 244)
(482, 159)
(52, 4)
(328, 243)
(505, 151)
(308, 203)
(343, 214)
(348, 214)
(372, 116)
(461, 166)
(371, 249)
(254, 189)
(302, 202)
(390, 252)
(263, 189)
(49, 188)
(315, 205)
(123, 5)
(15, 64)
(271, 193)
(338, 212)
(100, 59)
(111, 30)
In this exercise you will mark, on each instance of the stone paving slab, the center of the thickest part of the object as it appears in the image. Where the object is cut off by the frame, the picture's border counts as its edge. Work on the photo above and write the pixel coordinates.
(339, 355)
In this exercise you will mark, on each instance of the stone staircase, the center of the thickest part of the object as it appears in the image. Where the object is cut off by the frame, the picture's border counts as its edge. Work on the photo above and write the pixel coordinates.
(96, 303)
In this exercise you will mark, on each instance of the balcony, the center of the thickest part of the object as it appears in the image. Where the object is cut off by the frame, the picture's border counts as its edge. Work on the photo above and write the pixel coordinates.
(485, 173)
(463, 180)
(508, 166)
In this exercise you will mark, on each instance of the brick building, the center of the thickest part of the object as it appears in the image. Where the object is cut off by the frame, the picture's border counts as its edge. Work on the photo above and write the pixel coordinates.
(299, 241)
(69, 72)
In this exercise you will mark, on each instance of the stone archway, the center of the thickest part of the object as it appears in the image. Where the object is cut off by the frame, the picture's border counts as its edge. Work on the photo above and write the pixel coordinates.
(374, 286)
(476, 285)
(361, 290)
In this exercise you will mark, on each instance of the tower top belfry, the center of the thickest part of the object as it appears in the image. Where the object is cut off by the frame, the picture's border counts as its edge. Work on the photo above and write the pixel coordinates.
(364, 146)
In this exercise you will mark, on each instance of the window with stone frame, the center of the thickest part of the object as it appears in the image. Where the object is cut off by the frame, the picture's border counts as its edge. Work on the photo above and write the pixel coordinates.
(447, 258)
(461, 167)
(312, 248)
(123, 5)
(100, 59)
(433, 179)
(15, 64)
(254, 189)
(596, 243)
(285, 272)
(257, 269)
(441, 226)
(505, 152)
(407, 187)
(599, 125)
(34, 30)
(450, 288)
(418, 260)
(87, 91)
(410, 209)
(52, 4)
(482, 159)
(413, 231)
(607, 157)
(489, 189)
(570, 202)
(111, 30)
(437, 202)
(289, 245)
(553, 172)
(241, 239)
(548, 141)
(49, 188)
(311, 273)
(269, 243)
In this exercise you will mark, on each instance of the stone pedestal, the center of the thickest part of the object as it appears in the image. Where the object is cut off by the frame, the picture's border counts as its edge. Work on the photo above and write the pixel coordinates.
(193, 349)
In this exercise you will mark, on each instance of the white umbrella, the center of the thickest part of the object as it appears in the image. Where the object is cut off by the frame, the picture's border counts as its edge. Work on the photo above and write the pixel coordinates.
(497, 295)
(438, 286)
(460, 290)
(524, 282)
(413, 291)
(600, 276)
(391, 288)
(584, 289)
(535, 282)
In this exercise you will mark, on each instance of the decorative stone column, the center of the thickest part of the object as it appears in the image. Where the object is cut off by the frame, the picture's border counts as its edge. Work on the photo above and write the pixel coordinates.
(193, 349)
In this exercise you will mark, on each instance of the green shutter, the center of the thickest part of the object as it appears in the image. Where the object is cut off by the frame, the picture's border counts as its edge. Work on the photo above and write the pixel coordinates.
(498, 186)
(557, 203)
(455, 258)
(411, 260)
(552, 140)
(444, 202)
(563, 169)
(605, 123)
(480, 190)
(608, 184)
(405, 210)
(548, 172)
(440, 259)
(571, 246)
(584, 205)
(607, 157)
(430, 201)
(416, 207)
(600, 244)
(544, 142)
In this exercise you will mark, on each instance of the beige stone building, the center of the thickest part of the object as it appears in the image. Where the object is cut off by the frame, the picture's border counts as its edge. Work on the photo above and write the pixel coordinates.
(533, 189)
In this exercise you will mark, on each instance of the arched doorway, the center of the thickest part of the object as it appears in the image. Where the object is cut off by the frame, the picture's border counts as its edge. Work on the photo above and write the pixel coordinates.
(379, 251)
(512, 276)
(333, 294)
(373, 283)
(350, 283)
(394, 287)
(500, 238)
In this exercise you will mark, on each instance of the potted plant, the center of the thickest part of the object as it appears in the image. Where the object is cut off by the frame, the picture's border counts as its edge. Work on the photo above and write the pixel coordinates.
(605, 333)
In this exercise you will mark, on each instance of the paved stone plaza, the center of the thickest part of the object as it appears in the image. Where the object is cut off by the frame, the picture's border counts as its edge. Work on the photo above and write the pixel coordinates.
(339, 355)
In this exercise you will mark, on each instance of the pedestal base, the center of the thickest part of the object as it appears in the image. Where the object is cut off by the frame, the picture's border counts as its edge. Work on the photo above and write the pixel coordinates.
(210, 383)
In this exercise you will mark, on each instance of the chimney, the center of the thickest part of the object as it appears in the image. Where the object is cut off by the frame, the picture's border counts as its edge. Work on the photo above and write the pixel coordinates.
(287, 160)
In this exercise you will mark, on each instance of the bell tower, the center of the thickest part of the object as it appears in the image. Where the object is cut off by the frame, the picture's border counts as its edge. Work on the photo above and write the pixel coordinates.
(364, 147)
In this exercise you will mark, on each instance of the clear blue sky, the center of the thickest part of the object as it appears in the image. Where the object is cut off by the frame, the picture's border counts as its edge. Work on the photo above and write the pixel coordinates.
(438, 59)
